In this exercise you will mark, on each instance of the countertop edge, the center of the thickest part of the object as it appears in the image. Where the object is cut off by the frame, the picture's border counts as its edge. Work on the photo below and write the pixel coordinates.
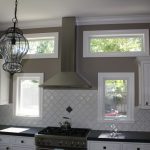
(118, 140)
(31, 132)
(129, 136)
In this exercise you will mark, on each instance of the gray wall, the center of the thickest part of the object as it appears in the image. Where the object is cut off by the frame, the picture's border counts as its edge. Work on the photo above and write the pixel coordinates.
(105, 64)
(87, 67)
(48, 66)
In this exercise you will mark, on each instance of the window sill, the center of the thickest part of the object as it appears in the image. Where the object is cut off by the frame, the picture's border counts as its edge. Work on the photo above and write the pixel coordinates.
(118, 121)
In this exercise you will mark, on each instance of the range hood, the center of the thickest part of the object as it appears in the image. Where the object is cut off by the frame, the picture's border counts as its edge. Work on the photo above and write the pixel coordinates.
(68, 77)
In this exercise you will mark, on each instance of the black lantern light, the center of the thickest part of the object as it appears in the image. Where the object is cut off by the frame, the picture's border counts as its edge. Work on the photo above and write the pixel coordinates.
(13, 46)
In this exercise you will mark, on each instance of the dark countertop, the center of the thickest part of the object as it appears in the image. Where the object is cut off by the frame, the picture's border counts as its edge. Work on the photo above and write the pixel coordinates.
(125, 136)
(30, 132)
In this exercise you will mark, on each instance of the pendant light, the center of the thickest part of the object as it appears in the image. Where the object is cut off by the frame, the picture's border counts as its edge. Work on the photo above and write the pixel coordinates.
(13, 46)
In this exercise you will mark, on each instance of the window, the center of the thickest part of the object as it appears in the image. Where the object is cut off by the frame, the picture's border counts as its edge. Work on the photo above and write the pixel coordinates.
(116, 96)
(28, 94)
(116, 43)
(42, 45)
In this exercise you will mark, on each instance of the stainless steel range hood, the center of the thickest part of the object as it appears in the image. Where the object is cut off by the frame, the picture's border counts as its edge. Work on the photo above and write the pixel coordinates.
(67, 78)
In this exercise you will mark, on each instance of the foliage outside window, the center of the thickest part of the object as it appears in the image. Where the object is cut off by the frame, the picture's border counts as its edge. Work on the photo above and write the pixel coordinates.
(42, 45)
(115, 43)
(28, 94)
(116, 96)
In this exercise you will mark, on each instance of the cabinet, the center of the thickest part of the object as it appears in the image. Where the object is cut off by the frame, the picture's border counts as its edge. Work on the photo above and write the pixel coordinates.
(136, 146)
(4, 142)
(4, 147)
(144, 82)
(100, 145)
(21, 148)
(97, 145)
(16, 143)
(4, 85)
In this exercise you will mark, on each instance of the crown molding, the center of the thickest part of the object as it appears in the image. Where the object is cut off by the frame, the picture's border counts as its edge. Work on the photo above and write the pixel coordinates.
(80, 21)
(113, 20)
(34, 24)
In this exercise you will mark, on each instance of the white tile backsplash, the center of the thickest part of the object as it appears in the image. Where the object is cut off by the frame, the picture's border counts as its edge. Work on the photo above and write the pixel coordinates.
(84, 114)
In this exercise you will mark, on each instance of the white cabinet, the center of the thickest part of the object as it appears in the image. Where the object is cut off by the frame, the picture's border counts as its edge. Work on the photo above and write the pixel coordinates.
(144, 82)
(4, 147)
(23, 141)
(101, 145)
(4, 139)
(4, 85)
(4, 142)
(16, 143)
(21, 148)
(97, 145)
(136, 146)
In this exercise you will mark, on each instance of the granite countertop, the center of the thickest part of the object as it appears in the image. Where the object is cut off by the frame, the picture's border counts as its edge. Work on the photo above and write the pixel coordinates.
(19, 130)
(123, 136)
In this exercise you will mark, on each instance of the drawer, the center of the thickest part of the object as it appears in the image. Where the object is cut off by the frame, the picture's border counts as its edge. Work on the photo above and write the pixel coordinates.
(136, 146)
(21, 148)
(4, 139)
(23, 141)
(4, 147)
(96, 145)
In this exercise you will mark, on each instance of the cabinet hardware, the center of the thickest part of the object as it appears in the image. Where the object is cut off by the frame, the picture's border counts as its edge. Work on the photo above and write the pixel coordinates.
(138, 148)
(22, 141)
(146, 103)
(7, 148)
(104, 147)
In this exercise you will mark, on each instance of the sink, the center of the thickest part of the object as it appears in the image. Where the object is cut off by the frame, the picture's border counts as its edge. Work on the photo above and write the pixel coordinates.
(112, 136)
(14, 129)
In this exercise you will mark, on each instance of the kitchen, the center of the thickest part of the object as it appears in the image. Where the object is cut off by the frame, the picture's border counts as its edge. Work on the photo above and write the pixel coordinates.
(82, 103)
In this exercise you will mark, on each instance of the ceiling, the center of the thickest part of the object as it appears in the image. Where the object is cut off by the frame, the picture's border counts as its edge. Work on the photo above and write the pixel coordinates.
(36, 10)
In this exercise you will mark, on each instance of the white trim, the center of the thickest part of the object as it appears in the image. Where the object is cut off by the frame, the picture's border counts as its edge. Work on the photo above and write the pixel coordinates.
(57, 22)
(113, 20)
(131, 96)
(88, 34)
(143, 70)
(15, 93)
(40, 36)
(34, 24)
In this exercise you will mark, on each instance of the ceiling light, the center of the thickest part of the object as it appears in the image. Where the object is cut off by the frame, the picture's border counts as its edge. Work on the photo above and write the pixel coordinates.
(13, 46)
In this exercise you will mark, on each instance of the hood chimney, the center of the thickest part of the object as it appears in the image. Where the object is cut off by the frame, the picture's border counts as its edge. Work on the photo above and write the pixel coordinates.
(68, 78)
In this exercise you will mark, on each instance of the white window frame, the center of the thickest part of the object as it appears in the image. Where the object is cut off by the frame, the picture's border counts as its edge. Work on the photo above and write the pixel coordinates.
(16, 79)
(129, 76)
(40, 36)
(87, 35)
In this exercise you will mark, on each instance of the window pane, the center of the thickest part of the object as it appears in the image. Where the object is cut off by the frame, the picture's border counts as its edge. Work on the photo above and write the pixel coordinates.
(115, 99)
(116, 44)
(41, 46)
(28, 100)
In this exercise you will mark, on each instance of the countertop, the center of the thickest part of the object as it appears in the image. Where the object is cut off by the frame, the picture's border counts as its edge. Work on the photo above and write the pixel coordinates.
(19, 130)
(124, 136)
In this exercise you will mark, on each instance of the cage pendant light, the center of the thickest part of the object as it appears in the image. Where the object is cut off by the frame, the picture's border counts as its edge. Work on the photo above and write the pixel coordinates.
(13, 46)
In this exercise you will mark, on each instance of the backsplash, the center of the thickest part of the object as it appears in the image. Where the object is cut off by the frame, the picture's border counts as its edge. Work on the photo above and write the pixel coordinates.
(84, 113)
